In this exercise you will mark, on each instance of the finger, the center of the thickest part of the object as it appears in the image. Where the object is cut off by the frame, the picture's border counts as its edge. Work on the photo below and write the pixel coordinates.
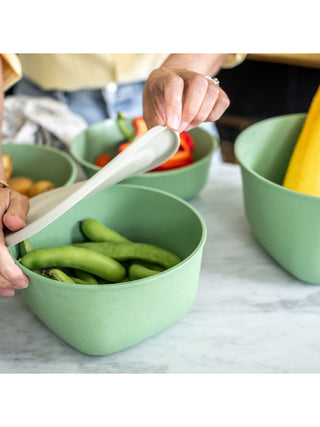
(220, 106)
(162, 98)
(7, 292)
(11, 275)
(173, 94)
(5, 284)
(15, 216)
(206, 107)
(195, 91)
(153, 101)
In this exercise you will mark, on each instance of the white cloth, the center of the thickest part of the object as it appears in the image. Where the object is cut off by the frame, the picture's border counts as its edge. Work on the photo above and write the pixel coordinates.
(42, 121)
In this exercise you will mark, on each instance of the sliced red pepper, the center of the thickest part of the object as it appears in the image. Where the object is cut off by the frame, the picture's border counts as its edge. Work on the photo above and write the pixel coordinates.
(179, 160)
(102, 160)
(182, 157)
(140, 126)
(123, 146)
(188, 139)
(184, 145)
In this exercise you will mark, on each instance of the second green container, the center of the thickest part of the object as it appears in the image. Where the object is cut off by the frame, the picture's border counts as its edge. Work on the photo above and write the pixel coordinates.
(185, 182)
(285, 222)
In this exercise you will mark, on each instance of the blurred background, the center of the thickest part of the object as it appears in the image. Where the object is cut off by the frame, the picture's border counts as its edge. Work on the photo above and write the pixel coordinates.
(265, 85)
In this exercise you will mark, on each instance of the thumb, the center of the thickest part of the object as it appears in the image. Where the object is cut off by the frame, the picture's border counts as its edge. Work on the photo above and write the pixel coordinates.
(15, 217)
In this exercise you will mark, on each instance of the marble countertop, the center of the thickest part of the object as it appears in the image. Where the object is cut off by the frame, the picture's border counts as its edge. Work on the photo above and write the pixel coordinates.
(249, 316)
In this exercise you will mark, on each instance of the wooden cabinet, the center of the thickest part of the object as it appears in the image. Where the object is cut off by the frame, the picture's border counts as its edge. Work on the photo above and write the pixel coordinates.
(299, 59)
(266, 85)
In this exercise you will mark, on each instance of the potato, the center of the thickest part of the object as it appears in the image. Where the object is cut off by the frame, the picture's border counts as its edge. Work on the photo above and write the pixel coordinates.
(21, 184)
(29, 188)
(41, 187)
(7, 165)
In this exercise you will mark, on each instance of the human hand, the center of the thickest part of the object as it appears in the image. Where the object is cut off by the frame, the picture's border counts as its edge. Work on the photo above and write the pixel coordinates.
(181, 99)
(13, 210)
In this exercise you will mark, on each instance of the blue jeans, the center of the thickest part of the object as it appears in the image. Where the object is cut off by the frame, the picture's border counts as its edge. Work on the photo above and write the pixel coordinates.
(95, 105)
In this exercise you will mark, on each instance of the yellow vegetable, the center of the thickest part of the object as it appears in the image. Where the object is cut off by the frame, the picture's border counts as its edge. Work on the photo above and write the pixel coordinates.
(7, 165)
(303, 173)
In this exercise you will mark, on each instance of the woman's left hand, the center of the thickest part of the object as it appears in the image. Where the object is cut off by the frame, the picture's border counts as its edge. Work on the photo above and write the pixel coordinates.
(13, 210)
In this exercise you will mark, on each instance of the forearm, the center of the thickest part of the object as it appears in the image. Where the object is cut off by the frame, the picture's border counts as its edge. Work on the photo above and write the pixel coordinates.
(204, 63)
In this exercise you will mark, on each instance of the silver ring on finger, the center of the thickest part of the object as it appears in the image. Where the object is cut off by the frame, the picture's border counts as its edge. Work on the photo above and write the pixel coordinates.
(215, 80)
(4, 184)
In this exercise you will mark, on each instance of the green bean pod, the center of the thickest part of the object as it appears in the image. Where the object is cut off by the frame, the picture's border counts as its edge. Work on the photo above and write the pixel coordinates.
(125, 279)
(75, 257)
(133, 251)
(56, 274)
(86, 277)
(128, 133)
(80, 281)
(96, 231)
(138, 271)
(25, 246)
(153, 266)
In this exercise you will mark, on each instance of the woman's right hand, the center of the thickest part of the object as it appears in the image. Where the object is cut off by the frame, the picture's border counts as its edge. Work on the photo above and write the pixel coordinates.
(13, 211)
(181, 99)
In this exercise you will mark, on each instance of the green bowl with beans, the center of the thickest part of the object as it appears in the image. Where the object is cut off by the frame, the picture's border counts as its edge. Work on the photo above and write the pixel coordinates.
(185, 182)
(103, 318)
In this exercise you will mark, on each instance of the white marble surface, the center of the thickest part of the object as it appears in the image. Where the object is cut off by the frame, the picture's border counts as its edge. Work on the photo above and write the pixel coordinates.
(249, 316)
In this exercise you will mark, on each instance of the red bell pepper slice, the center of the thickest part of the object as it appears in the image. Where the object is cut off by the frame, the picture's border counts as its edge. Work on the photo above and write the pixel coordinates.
(123, 146)
(102, 160)
(188, 139)
(179, 160)
(140, 126)
(183, 156)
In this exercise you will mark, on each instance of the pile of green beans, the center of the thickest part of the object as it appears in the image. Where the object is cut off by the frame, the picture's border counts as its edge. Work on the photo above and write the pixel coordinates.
(105, 257)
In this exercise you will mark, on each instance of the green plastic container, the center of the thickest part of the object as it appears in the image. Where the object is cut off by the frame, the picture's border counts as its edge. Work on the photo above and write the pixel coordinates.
(102, 319)
(39, 163)
(186, 182)
(285, 222)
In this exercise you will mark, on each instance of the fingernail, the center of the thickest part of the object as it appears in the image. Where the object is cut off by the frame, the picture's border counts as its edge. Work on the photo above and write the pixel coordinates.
(183, 126)
(21, 284)
(7, 292)
(173, 122)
